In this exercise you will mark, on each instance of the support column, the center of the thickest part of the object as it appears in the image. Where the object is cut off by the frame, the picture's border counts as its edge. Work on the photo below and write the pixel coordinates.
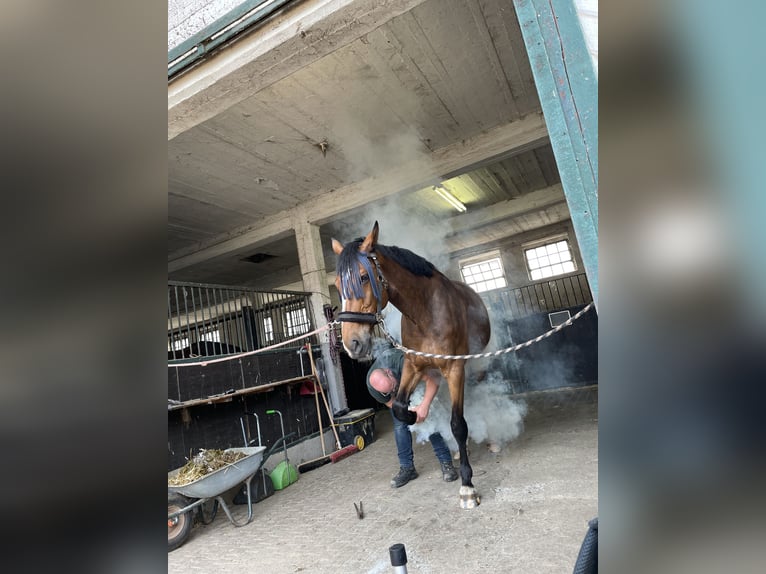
(315, 282)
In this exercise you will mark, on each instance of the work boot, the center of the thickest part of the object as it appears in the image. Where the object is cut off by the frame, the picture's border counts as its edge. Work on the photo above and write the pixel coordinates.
(448, 472)
(405, 475)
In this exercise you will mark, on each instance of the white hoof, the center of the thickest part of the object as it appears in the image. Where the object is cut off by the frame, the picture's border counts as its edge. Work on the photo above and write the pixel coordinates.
(494, 447)
(469, 498)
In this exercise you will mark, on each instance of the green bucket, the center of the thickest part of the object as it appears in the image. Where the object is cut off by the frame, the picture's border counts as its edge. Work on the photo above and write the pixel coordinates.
(283, 475)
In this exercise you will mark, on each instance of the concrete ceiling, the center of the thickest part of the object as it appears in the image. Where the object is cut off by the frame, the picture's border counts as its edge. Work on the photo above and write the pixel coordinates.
(344, 112)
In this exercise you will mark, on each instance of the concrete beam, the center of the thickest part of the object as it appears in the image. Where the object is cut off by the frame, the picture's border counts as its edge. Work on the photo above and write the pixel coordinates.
(501, 141)
(528, 203)
(293, 39)
(512, 225)
(507, 140)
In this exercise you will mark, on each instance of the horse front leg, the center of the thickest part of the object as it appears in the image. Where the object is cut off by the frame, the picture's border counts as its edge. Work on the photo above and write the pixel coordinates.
(402, 411)
(401, 406)
(456, 379)
(468, 496)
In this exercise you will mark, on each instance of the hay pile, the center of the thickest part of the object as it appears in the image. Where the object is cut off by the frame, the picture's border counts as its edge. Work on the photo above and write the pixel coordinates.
(207, 461)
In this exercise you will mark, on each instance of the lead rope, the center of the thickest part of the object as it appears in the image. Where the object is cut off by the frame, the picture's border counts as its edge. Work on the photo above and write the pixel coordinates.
(204, 363)
(556, 329)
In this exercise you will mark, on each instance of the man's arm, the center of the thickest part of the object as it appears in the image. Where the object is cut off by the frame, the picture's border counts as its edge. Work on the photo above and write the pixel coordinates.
(432, 386)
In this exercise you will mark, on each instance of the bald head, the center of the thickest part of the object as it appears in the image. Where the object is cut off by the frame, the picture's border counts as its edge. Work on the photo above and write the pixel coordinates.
(382, 380)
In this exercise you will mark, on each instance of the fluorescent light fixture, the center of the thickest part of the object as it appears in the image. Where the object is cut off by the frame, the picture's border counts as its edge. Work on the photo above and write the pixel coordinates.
(449, 198)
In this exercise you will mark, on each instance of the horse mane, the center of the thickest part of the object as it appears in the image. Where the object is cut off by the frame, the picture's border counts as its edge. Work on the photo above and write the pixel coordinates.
(349, 258)
(412, 262)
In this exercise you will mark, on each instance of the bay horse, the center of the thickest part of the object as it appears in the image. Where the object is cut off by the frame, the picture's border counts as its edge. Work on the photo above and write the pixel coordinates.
(439, 316)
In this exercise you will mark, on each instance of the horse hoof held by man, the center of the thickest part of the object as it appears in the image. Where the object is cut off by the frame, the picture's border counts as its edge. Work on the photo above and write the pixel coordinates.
(383, 379)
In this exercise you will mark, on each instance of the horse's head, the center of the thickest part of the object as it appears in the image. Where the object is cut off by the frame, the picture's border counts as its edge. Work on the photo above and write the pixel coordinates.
(362, 289)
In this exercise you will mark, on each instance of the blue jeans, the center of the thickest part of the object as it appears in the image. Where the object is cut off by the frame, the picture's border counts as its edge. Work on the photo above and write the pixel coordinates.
(403, 438)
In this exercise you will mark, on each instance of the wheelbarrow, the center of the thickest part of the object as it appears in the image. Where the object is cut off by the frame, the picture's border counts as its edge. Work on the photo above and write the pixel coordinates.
(181, 503)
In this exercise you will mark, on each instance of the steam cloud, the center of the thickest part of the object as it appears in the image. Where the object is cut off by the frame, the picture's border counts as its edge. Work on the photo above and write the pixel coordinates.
(490, 413)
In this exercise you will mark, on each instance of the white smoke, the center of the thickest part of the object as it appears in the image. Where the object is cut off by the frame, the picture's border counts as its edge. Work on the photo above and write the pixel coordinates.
(371, 152)
(490, 413)
(392, 318)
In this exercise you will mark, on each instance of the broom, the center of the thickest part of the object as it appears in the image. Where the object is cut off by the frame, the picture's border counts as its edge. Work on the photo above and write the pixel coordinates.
(325, 458)
(342, 452)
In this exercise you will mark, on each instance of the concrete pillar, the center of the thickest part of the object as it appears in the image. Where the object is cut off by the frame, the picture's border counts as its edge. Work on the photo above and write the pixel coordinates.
(314, 282)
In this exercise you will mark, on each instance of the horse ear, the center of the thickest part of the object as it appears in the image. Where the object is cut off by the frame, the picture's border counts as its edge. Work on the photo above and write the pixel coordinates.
(369, 243)
(337, 246)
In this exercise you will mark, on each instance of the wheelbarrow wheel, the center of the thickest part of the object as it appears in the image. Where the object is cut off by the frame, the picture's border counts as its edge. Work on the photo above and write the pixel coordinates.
(179, 526)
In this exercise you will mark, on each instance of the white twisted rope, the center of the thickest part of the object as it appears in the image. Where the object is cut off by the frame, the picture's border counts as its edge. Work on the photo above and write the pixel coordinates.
(556, 329)
(248, 353)
(395, 343)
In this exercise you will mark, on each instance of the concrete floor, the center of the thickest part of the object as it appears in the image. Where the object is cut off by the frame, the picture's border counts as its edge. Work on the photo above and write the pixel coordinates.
(537, 496)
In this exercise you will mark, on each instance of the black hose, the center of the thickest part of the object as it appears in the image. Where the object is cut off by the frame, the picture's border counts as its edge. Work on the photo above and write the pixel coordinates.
(587, 559)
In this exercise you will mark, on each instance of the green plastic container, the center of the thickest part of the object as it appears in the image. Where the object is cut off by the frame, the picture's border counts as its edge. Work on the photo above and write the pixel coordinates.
(283, 475)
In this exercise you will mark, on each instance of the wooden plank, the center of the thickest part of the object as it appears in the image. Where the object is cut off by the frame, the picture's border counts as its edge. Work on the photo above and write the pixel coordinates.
(225, 398)
(503, 28)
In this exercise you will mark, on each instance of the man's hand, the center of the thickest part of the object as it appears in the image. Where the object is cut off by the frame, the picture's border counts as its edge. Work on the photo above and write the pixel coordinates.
(421, 411)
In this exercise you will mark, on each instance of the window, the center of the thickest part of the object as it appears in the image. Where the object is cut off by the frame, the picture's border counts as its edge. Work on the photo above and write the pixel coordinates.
(550, 259)
(268, 329)
(485, 274)
(211, 334)
(178, 343)
(297, 322)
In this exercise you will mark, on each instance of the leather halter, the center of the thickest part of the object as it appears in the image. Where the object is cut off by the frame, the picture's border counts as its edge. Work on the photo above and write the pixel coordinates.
(368, 318)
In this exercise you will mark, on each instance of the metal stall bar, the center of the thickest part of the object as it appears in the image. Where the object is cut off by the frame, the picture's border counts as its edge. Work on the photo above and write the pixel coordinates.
(171, 342)
(186, 315)
(211, 314)
(196, 324)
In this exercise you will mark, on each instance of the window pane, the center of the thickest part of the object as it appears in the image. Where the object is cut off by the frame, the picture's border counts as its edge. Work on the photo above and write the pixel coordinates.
(549, 260)
(483, 275)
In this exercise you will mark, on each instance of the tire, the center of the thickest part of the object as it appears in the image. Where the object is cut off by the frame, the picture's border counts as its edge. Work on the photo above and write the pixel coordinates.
(179, 527)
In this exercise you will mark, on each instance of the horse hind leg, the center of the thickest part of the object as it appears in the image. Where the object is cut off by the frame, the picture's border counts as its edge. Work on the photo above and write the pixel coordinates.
(468, 496)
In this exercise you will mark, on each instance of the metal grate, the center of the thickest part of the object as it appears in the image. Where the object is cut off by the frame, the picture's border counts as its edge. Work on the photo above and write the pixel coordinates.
(207, 320)
(542, 297)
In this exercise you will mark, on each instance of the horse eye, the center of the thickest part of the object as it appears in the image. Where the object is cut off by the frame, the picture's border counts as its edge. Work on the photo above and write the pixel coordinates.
(365, 278)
